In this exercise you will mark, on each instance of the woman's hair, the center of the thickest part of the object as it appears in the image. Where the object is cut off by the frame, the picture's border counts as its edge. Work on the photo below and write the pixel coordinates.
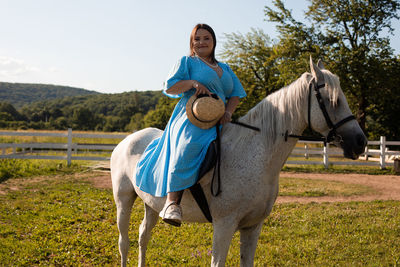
(192, 35)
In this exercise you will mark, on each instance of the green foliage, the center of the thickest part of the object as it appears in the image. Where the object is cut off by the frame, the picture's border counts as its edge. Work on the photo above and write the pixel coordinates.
(159, 117)
(136, 122)
(101, 112)
(9, 113)
(64, 221)
(251, 57)
(349, 36)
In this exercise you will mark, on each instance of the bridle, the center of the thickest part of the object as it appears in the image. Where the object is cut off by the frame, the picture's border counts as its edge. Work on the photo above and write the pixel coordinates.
(332, 127)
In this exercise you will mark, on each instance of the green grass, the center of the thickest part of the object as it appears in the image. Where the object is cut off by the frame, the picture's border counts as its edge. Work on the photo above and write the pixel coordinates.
(12, 168)
(300, 187)
(64, 221)
(52, 139)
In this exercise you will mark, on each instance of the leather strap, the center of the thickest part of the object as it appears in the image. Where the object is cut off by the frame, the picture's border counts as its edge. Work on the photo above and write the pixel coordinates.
(200, 198)
(217, 167)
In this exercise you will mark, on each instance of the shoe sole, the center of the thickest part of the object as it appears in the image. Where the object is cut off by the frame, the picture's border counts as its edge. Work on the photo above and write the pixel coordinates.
(172, 222)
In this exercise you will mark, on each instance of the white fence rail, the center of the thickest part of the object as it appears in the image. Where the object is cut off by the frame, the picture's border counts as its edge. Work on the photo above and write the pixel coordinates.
(313, 153)
(26, 150)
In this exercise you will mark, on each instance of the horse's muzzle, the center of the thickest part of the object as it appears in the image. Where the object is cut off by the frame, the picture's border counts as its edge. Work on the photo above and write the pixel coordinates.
(353, 145)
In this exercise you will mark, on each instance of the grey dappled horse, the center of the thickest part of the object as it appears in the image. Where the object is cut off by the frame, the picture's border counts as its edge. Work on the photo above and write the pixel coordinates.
(250, 165)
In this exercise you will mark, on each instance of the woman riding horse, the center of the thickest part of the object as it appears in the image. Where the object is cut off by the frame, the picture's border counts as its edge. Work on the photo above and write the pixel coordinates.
(171, 163)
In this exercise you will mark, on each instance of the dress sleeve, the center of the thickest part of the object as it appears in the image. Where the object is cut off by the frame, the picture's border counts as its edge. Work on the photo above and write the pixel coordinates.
(238, 89)
(178, 73)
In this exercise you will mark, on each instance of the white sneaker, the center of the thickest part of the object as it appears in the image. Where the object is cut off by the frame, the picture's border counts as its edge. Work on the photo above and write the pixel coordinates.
(172, 214)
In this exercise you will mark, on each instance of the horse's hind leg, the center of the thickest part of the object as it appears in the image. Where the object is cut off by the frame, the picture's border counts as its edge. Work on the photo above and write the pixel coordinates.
(149, 221)
(248, 244)
(124, 196)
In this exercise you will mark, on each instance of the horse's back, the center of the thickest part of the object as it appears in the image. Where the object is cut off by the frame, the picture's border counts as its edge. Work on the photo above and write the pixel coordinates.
(126, 154)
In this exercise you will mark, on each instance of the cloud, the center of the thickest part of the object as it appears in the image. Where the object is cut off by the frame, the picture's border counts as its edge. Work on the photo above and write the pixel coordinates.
(15, 68)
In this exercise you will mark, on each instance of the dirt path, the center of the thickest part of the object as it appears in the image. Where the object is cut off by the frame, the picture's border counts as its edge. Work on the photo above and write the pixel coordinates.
(386, 187)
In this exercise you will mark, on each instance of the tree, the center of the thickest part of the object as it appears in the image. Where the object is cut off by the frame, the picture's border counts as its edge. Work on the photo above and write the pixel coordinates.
(84, 119)
(9, 112)
(160, 115)
(349, 35)
(384, 118)
(251, 57)
(135, 123)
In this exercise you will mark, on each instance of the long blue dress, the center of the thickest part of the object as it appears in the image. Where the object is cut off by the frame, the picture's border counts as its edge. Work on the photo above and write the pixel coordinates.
(171, 163)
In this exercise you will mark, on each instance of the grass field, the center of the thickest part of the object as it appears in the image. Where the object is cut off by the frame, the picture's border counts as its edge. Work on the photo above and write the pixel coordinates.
(63, 220)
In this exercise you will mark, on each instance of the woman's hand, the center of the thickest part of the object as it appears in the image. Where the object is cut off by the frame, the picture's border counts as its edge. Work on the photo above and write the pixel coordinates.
(200, 89)
(227, 117)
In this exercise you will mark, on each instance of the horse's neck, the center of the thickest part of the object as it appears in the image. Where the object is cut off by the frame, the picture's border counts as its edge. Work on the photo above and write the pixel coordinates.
(281, 111)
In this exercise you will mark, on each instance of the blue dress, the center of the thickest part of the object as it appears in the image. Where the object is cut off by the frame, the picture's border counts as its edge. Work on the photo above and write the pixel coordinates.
(171, 163)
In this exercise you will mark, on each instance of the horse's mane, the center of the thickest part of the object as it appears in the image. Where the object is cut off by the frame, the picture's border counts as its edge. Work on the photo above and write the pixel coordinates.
(275, 113)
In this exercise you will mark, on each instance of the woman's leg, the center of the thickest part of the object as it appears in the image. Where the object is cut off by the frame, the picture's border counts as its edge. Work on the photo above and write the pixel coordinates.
(175, 197)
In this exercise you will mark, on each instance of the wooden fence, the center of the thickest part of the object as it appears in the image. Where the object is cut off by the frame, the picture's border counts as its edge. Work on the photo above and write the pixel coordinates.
(315, 153)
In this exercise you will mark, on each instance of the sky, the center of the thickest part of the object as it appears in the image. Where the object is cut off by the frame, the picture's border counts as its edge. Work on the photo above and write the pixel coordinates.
(121, 45)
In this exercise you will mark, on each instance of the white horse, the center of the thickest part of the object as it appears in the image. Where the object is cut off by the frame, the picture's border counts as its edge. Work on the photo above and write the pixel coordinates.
(250, 165)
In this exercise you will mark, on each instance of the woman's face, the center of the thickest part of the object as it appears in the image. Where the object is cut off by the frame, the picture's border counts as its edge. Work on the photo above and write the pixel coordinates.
(203, 43)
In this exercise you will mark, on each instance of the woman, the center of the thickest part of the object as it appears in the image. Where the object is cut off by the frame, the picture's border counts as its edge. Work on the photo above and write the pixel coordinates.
(171, 163)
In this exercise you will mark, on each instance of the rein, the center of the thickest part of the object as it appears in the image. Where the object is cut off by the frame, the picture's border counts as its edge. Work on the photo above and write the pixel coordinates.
(332, 127)
(246, 125)
(217, 168)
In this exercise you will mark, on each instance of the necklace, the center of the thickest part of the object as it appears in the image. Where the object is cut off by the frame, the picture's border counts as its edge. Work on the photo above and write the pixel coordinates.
(211, 65)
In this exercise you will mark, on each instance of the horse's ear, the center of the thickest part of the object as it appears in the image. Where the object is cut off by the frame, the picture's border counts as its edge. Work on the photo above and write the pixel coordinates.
(320, 64)
(316, 72)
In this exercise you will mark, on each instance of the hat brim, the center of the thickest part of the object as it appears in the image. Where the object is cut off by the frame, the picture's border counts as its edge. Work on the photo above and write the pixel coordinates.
(202, 124)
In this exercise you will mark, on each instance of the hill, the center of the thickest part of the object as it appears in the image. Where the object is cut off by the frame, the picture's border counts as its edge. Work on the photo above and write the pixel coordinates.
(21, 94)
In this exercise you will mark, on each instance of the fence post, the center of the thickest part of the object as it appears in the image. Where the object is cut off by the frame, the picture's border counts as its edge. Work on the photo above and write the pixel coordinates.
(366, 152)
(306, 151)
(69, 147)
(382, 152)
(326, 156)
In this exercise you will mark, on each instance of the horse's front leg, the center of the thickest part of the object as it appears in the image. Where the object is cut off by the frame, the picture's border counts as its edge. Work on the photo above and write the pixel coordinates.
(223, 231)
(149, 221)
(248, 244)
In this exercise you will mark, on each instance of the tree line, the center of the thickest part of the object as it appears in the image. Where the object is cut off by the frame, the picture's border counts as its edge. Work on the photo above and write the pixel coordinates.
(100, 112)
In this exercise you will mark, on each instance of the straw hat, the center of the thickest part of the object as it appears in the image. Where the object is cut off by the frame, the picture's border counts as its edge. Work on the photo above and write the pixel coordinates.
(204, 111)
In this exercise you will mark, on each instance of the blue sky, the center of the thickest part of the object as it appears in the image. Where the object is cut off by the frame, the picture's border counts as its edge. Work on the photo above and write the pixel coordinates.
(116, 46)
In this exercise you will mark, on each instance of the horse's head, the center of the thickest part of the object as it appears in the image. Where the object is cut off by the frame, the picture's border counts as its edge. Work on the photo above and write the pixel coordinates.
(330, 115)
